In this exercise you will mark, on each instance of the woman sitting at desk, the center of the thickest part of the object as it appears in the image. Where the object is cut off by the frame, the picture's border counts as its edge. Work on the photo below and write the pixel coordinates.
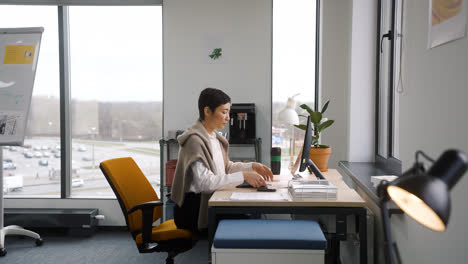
(203, 165)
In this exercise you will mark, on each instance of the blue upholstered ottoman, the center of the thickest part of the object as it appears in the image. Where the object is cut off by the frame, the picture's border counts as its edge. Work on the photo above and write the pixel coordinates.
(268, 241)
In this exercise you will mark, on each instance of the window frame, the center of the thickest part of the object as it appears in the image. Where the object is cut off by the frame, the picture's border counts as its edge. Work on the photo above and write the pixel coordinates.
(389, 163)
(316, 62)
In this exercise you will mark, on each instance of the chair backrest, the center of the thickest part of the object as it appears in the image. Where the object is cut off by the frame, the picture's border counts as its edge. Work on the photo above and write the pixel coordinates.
(131, 188)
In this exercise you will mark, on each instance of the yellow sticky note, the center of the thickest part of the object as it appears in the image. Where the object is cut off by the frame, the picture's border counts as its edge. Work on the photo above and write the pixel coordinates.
(19, 54)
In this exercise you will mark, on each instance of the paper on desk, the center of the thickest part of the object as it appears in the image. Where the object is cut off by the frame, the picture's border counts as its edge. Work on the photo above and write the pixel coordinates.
(259, 196)
(278, 184)
(313, 184)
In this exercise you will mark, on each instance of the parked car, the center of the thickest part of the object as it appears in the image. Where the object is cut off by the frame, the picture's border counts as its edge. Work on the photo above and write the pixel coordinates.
(28, 154)
(57, 155)
(9, 166)
(87, 158)
(77, 183)
(43, 162)
(46, 154)
(37, 154)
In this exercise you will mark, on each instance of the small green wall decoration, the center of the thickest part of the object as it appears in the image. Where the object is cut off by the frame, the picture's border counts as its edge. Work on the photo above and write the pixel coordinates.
(216, 53)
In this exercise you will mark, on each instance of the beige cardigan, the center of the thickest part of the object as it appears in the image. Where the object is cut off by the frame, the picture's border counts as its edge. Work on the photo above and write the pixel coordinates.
(195, 145)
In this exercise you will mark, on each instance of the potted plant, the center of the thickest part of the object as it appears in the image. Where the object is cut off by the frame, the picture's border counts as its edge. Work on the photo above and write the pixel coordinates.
(319, 153)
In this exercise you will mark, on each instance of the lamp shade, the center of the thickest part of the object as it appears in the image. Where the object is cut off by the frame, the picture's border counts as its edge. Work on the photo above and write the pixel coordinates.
(288, 116)
(426, 196)
(425, 199)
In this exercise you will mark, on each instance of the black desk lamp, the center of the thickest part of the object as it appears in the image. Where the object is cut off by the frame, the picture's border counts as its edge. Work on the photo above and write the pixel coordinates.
(425, 196)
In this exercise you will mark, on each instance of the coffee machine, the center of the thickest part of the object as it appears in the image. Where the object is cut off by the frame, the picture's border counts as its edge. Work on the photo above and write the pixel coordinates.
(242, 125)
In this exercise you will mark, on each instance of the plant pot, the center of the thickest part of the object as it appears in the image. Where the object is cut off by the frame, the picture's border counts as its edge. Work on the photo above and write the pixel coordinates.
(320, 157)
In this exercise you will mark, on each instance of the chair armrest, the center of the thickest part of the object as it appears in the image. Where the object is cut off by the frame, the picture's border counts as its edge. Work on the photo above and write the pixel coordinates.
(147, 218)
(145, 206)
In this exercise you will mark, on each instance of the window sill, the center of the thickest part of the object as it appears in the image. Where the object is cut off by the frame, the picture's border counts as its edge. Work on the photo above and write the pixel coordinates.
(360, 173)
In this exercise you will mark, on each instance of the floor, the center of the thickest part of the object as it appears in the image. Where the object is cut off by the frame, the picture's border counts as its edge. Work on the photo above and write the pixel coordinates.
(105, 246)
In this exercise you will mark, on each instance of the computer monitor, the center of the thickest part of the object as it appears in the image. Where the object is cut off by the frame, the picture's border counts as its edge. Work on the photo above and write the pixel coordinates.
(305, 159)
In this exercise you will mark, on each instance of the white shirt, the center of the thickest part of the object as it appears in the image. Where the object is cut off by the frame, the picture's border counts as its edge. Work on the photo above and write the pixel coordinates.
(205, 181)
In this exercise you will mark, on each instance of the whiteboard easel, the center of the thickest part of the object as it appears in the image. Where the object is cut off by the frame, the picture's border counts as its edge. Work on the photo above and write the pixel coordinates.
(19, 52)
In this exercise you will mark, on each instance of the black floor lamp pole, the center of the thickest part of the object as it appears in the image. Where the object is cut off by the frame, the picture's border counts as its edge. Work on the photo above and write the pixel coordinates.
(388, 242)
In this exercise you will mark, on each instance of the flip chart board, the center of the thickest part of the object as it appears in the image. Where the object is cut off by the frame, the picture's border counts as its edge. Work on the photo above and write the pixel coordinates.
(19, 52)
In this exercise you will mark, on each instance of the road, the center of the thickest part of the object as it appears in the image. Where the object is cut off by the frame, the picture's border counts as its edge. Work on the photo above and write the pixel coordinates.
(44, 180)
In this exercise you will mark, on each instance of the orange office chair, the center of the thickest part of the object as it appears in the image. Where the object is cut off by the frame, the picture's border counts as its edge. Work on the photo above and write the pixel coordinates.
(141, 207)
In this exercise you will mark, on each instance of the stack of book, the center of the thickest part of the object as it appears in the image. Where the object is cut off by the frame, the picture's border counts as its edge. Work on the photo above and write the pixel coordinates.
(312, 189)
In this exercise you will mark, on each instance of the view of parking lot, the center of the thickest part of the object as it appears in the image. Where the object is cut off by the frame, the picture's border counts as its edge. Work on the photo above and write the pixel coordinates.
(35, 168)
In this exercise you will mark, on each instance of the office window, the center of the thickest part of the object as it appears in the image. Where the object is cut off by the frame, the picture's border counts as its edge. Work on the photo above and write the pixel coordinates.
(116, 97)
(389, 83)
(34, 170)
(116, 92)
(294, 70)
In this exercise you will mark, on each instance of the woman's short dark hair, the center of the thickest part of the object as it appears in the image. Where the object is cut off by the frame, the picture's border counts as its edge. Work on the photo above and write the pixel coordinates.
(212, 98)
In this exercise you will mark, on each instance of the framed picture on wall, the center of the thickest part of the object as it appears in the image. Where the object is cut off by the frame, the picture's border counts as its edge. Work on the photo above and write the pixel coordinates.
(447, 21)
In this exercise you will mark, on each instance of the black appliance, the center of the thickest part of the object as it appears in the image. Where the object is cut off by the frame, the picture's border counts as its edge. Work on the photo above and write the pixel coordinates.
(242, 125)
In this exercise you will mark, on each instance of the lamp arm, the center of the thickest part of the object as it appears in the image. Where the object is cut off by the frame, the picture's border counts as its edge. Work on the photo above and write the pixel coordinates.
(420, 152)
(388, 242)
(387, 233)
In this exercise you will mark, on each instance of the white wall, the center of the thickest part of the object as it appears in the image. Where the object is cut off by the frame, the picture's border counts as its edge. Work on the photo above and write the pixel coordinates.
(335, 74)
(244, 29)
(361, 115)
(433, 118)
(347, 78)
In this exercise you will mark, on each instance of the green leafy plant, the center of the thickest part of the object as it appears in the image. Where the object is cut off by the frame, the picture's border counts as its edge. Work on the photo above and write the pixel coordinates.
(318, 123)
(216, 54)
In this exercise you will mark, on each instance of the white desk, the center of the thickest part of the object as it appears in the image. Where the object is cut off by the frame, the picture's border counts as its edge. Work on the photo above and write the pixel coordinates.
(348, 202)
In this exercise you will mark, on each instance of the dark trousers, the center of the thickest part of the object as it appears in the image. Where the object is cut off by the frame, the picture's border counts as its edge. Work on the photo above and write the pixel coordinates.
(186, 216)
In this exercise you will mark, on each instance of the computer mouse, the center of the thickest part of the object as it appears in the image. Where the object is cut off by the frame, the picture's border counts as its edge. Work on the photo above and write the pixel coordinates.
(244, 185)
(265, 189)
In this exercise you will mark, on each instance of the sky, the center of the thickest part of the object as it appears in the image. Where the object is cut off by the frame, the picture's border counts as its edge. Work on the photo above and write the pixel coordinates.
(116, 52)
(293, 50)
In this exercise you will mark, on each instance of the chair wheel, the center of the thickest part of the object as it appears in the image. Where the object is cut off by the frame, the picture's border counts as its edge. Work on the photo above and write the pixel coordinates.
(3, 252)
(39, 242)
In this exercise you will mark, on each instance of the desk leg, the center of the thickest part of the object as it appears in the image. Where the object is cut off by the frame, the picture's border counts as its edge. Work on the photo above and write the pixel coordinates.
(363, 236)
(212, 224)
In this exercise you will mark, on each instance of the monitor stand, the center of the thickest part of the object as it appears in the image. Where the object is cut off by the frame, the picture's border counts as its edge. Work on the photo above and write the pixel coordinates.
(313, 168)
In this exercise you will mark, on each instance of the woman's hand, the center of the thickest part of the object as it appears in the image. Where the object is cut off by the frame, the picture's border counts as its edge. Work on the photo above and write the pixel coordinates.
(254, 179)
(263, 170)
